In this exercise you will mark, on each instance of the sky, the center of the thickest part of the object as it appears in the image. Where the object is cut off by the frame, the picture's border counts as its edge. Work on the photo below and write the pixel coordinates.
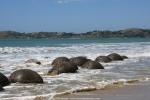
(73, 15)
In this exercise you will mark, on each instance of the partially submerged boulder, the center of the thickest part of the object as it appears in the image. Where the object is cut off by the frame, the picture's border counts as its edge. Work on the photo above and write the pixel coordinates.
(63, 67)
(124, 57)
(25, 76)
(79, 61)
(33, 61)
(59, 60)
(104, 59)
(4, 81)
(115, 57)
(92, 65)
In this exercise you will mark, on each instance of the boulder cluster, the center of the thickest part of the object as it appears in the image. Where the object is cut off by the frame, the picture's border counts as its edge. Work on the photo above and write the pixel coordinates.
(59, 65)
(70, 65)
(110, 57)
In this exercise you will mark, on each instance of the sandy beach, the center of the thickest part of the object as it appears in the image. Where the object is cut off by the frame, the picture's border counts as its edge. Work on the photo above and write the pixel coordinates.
(138, 91)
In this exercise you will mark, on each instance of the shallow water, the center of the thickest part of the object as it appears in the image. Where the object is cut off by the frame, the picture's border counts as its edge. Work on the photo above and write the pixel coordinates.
(15, 52)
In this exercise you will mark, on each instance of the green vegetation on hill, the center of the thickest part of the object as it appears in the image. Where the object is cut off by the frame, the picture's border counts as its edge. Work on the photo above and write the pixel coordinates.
(132, 32)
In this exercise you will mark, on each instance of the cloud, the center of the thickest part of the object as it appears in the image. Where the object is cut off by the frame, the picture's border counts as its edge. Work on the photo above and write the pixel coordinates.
(66, 1)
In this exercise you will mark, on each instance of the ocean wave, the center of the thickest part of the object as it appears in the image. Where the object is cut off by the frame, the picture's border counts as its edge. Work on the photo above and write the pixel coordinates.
(98, 86)
(129, 49)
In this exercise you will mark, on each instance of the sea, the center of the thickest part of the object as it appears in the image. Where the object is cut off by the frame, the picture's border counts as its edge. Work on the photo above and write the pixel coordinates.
(15, 52)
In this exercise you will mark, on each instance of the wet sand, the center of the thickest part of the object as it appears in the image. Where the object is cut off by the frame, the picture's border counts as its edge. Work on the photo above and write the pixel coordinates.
(138, 91)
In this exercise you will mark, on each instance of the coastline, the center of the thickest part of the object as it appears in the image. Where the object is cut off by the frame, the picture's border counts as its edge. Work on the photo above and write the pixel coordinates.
(131, 91)
(130, 32)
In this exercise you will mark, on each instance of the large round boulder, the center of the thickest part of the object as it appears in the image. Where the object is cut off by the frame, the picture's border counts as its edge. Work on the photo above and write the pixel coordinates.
(92, 65)
(79, 61)
(115, 57)
(25, 76)
(59, 60)
(4, 81)
(104, 59)
(63, 67)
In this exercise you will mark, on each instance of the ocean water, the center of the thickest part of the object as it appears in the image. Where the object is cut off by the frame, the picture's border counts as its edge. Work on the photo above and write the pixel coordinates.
(14, 53)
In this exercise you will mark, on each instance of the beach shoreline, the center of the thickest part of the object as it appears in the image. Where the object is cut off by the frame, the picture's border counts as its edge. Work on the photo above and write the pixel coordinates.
(133, 91)
(13, 58)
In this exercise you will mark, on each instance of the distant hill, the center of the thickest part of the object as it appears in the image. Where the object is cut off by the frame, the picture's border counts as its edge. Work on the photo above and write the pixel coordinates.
(132, 32)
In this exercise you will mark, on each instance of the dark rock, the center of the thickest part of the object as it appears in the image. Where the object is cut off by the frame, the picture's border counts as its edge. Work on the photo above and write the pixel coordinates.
(59, 60)
(79, 61)
(115, 57)
(25, 76)
(4, 81)
(124, 57)
(104, 59)
(92, 65)
(33, 61)
(1, 88)
(63, 67)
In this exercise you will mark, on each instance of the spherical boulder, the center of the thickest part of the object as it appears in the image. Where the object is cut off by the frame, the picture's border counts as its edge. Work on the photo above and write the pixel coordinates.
(79, 61)
(4, 81)
(59, 60)
(115, 57)
(92, 65)
(63, 67)
(25, 76)
(104, 59)
(33, 61)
